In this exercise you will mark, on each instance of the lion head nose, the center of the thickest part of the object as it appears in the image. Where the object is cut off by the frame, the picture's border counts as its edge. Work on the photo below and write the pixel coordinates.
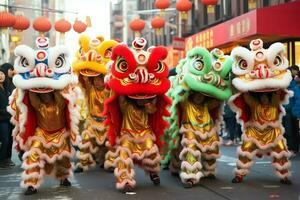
(141, 75)
(262, 71)
(92, 55)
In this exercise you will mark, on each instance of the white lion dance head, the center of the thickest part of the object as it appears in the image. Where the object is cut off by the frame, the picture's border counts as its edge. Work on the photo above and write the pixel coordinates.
(44, 69)
(260, 69)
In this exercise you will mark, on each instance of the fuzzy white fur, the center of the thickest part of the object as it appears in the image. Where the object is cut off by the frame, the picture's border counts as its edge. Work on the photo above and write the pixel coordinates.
(54, 52)
(246, 165)
(28, 53)
(185, 142)
(186, 165)
(208, 167)
(280, 167)
(43, 82)
(195, 177)
(135, 140)
(85, 167)
(282, 176)
(129, 178)
(277, 49)
(242, 53)
(242, 172)
(260, 84)
(282, 154)
(186, 150)
(247, 154)
(128, 161)
(152, 162)
(201, 135)
(121, 185)
(211, 156)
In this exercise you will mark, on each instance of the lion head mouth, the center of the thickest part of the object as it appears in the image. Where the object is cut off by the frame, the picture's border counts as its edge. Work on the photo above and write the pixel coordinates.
(90, 73)
(142, 96)
(41, 90)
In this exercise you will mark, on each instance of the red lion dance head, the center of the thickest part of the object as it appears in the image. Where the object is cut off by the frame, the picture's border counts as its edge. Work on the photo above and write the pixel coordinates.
(138, 74)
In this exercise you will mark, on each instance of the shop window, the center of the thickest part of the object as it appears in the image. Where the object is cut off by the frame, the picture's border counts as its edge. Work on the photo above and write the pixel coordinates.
(245, 6)
(297, 53)
(228, 9)
(217, 12)
(266, 3)
(205, 17)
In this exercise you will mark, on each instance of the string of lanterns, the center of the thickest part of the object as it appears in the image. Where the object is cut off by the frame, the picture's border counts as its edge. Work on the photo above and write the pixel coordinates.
(158, 22)
(40, 24)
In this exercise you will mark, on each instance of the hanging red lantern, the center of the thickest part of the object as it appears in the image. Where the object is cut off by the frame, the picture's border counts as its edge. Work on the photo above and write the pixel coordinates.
(7, 19)
(22, 23)
(210, 5)
(42, 24)
(184, 6)
(62, 26)
(137, 25)
(158, 23)
(79, 26)
(162, 5)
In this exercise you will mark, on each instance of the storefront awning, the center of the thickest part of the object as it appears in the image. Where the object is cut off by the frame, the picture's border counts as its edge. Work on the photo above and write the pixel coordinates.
(270, 24)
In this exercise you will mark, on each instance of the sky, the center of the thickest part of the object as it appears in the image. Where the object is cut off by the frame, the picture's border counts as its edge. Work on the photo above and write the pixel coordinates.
(99, 12)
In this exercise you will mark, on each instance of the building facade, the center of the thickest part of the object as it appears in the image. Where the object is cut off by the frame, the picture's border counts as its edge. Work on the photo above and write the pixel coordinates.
(237, 22)
(228, 26)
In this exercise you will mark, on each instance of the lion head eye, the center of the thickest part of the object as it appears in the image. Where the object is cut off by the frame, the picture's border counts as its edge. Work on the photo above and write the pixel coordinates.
(108, 53)
(198, 63)
(60, 61)
(122, 65)
(278, 61)
(24, 62)
(160, 67)
(242, 63)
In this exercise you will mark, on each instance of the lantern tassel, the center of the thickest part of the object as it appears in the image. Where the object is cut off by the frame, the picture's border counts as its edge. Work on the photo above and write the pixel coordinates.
(162, 12)
(184, 15)
(210, 9)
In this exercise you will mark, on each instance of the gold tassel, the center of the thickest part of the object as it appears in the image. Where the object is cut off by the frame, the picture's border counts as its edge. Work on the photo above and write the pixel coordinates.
(210, 9)
(88, 21)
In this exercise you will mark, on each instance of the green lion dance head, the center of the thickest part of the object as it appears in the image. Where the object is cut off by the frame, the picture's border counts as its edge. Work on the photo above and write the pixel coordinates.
(201, 71)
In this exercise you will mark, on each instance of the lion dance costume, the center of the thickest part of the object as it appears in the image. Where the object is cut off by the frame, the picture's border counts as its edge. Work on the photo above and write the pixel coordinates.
(198, 90)
(44, 112)
(90, 66)
(135, 111)
(261, 79)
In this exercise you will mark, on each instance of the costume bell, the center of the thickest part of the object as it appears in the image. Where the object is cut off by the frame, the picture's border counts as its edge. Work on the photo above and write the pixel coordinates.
(261, 79)
(90, 66)
(135, 111)
(44, 112)
(199, 89)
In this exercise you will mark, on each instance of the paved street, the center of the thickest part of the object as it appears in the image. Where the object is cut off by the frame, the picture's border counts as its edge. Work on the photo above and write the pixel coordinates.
(97, 184)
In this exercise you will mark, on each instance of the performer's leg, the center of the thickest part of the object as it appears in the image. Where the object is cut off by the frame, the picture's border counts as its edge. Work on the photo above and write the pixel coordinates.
(245, 161)
(99, 156)
(85, 154)
(175, 162)
(93, 138)
(32, 176)
(124, 171)
(281, 162)
(209, 161)
(190, 157)
(63, 171)
(110, 157)
(151, 162)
